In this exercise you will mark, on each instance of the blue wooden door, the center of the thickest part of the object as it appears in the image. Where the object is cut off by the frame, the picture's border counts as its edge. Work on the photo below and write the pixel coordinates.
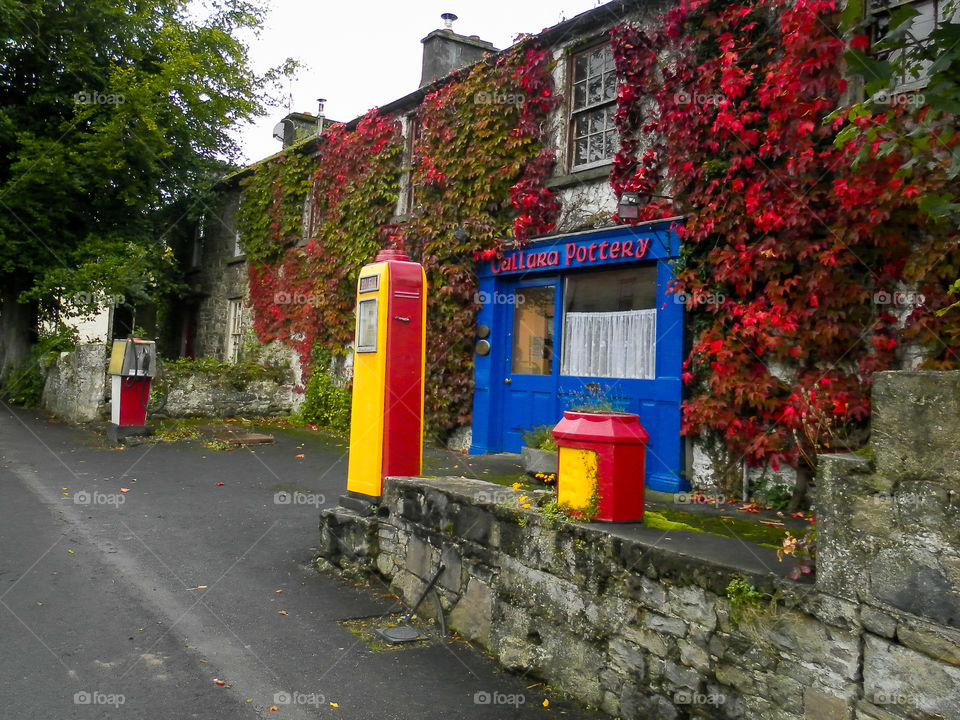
(531, 359)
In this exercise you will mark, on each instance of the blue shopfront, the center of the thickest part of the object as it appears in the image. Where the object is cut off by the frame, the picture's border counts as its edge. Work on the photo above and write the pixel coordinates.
(578, 318)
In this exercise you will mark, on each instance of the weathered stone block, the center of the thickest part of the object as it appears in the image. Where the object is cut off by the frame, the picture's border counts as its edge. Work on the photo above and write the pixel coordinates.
(939, 643)
(877, 621)
(666, 625)
(693, 604)
(472, 615)
(897, 676)
(818, 705)
(916, 423)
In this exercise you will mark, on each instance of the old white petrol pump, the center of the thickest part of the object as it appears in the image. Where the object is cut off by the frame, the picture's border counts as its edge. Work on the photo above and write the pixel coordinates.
(133, 363)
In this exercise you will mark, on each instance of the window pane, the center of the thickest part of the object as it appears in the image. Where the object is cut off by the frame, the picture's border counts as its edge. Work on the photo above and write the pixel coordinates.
(579, 95)
(595, 148)
(609, 324)
(533, 315)
(594, 90)
(609, 86)
(580, 151)
(581, 126)
(580, 68)
(612, 290)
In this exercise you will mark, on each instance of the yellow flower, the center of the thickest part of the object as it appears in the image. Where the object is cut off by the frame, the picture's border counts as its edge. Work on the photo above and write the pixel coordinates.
(525, 506)
(546, 703)
(522, 498)
(517, 486)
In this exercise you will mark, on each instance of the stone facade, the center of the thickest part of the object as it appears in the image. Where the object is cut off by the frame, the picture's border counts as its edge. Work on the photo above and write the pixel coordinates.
(642, 631)
(203, 396)
(217, 275)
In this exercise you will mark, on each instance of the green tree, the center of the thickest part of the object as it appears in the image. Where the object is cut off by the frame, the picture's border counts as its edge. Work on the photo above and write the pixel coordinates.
(111, 113)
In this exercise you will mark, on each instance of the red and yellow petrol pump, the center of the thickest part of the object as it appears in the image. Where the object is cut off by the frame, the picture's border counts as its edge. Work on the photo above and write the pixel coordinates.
(133, 363)
(386, 428)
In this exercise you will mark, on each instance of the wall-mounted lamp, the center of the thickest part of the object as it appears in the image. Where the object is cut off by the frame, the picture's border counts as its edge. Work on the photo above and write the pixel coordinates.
(628, 207)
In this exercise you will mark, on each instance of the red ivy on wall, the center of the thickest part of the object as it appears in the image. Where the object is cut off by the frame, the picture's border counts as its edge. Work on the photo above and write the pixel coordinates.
(479, 171)
(788, 253)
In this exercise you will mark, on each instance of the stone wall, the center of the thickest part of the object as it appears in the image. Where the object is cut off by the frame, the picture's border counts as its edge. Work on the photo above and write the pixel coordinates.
(76, 384)
(615, 617)
(203, 395)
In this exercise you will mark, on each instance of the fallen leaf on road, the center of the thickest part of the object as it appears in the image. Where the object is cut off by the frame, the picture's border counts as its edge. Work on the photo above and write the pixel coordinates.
(775, 523)
(219, 484)
(283, 612)
(273, 708)
(334, 705)
(299, 456)
(70, 551)
(124, 489)
(278, 591)
(220, 682)
(750, 508)
(797, 514)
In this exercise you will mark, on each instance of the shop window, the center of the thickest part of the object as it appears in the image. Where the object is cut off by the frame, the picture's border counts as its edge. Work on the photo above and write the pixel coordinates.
(594, 91)
(533, 317)
(610, 324)
(235, 328)
(929, 13)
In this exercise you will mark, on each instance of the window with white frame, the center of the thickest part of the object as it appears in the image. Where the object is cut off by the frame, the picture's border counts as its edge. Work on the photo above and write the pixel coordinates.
(924, 22)
(610, 324)
(234, 328)
(593, 105)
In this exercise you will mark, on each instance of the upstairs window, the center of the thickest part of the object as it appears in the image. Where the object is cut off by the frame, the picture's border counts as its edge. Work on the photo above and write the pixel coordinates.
(928, 14)
(594, 92)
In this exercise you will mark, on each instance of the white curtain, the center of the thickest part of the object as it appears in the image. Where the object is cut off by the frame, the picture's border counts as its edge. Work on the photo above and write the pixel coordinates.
(610, 344)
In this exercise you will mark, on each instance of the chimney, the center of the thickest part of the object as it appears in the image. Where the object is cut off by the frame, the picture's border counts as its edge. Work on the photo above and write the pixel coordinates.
(445, 51)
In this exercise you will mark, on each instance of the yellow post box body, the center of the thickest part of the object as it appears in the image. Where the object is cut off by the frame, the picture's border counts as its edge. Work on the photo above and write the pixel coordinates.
(386, 427)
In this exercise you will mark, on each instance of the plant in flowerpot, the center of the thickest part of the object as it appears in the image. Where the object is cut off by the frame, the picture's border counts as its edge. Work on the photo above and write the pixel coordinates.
(601, 460)
(539, 455)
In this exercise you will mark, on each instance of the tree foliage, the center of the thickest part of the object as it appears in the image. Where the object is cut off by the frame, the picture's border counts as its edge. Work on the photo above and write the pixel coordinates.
(110, 113)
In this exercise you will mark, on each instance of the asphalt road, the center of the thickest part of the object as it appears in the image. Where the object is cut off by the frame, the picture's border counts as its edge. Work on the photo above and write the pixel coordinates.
(135, 603)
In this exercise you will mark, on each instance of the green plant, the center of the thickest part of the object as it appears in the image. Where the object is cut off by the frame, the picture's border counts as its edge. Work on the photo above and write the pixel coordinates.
(236, 376)
(746, 600)
(23, 385)
(325, 403)
(540, 438)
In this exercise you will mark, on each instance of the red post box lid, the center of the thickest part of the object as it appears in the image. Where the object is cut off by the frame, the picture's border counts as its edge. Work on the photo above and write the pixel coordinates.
(601, 427)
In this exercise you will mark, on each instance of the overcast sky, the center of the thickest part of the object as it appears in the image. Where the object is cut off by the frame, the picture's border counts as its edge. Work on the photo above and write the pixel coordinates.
(365, 54)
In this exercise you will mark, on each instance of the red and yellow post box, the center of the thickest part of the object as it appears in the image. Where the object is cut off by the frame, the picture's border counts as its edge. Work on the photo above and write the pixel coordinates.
(601, 459)
(386, 427)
